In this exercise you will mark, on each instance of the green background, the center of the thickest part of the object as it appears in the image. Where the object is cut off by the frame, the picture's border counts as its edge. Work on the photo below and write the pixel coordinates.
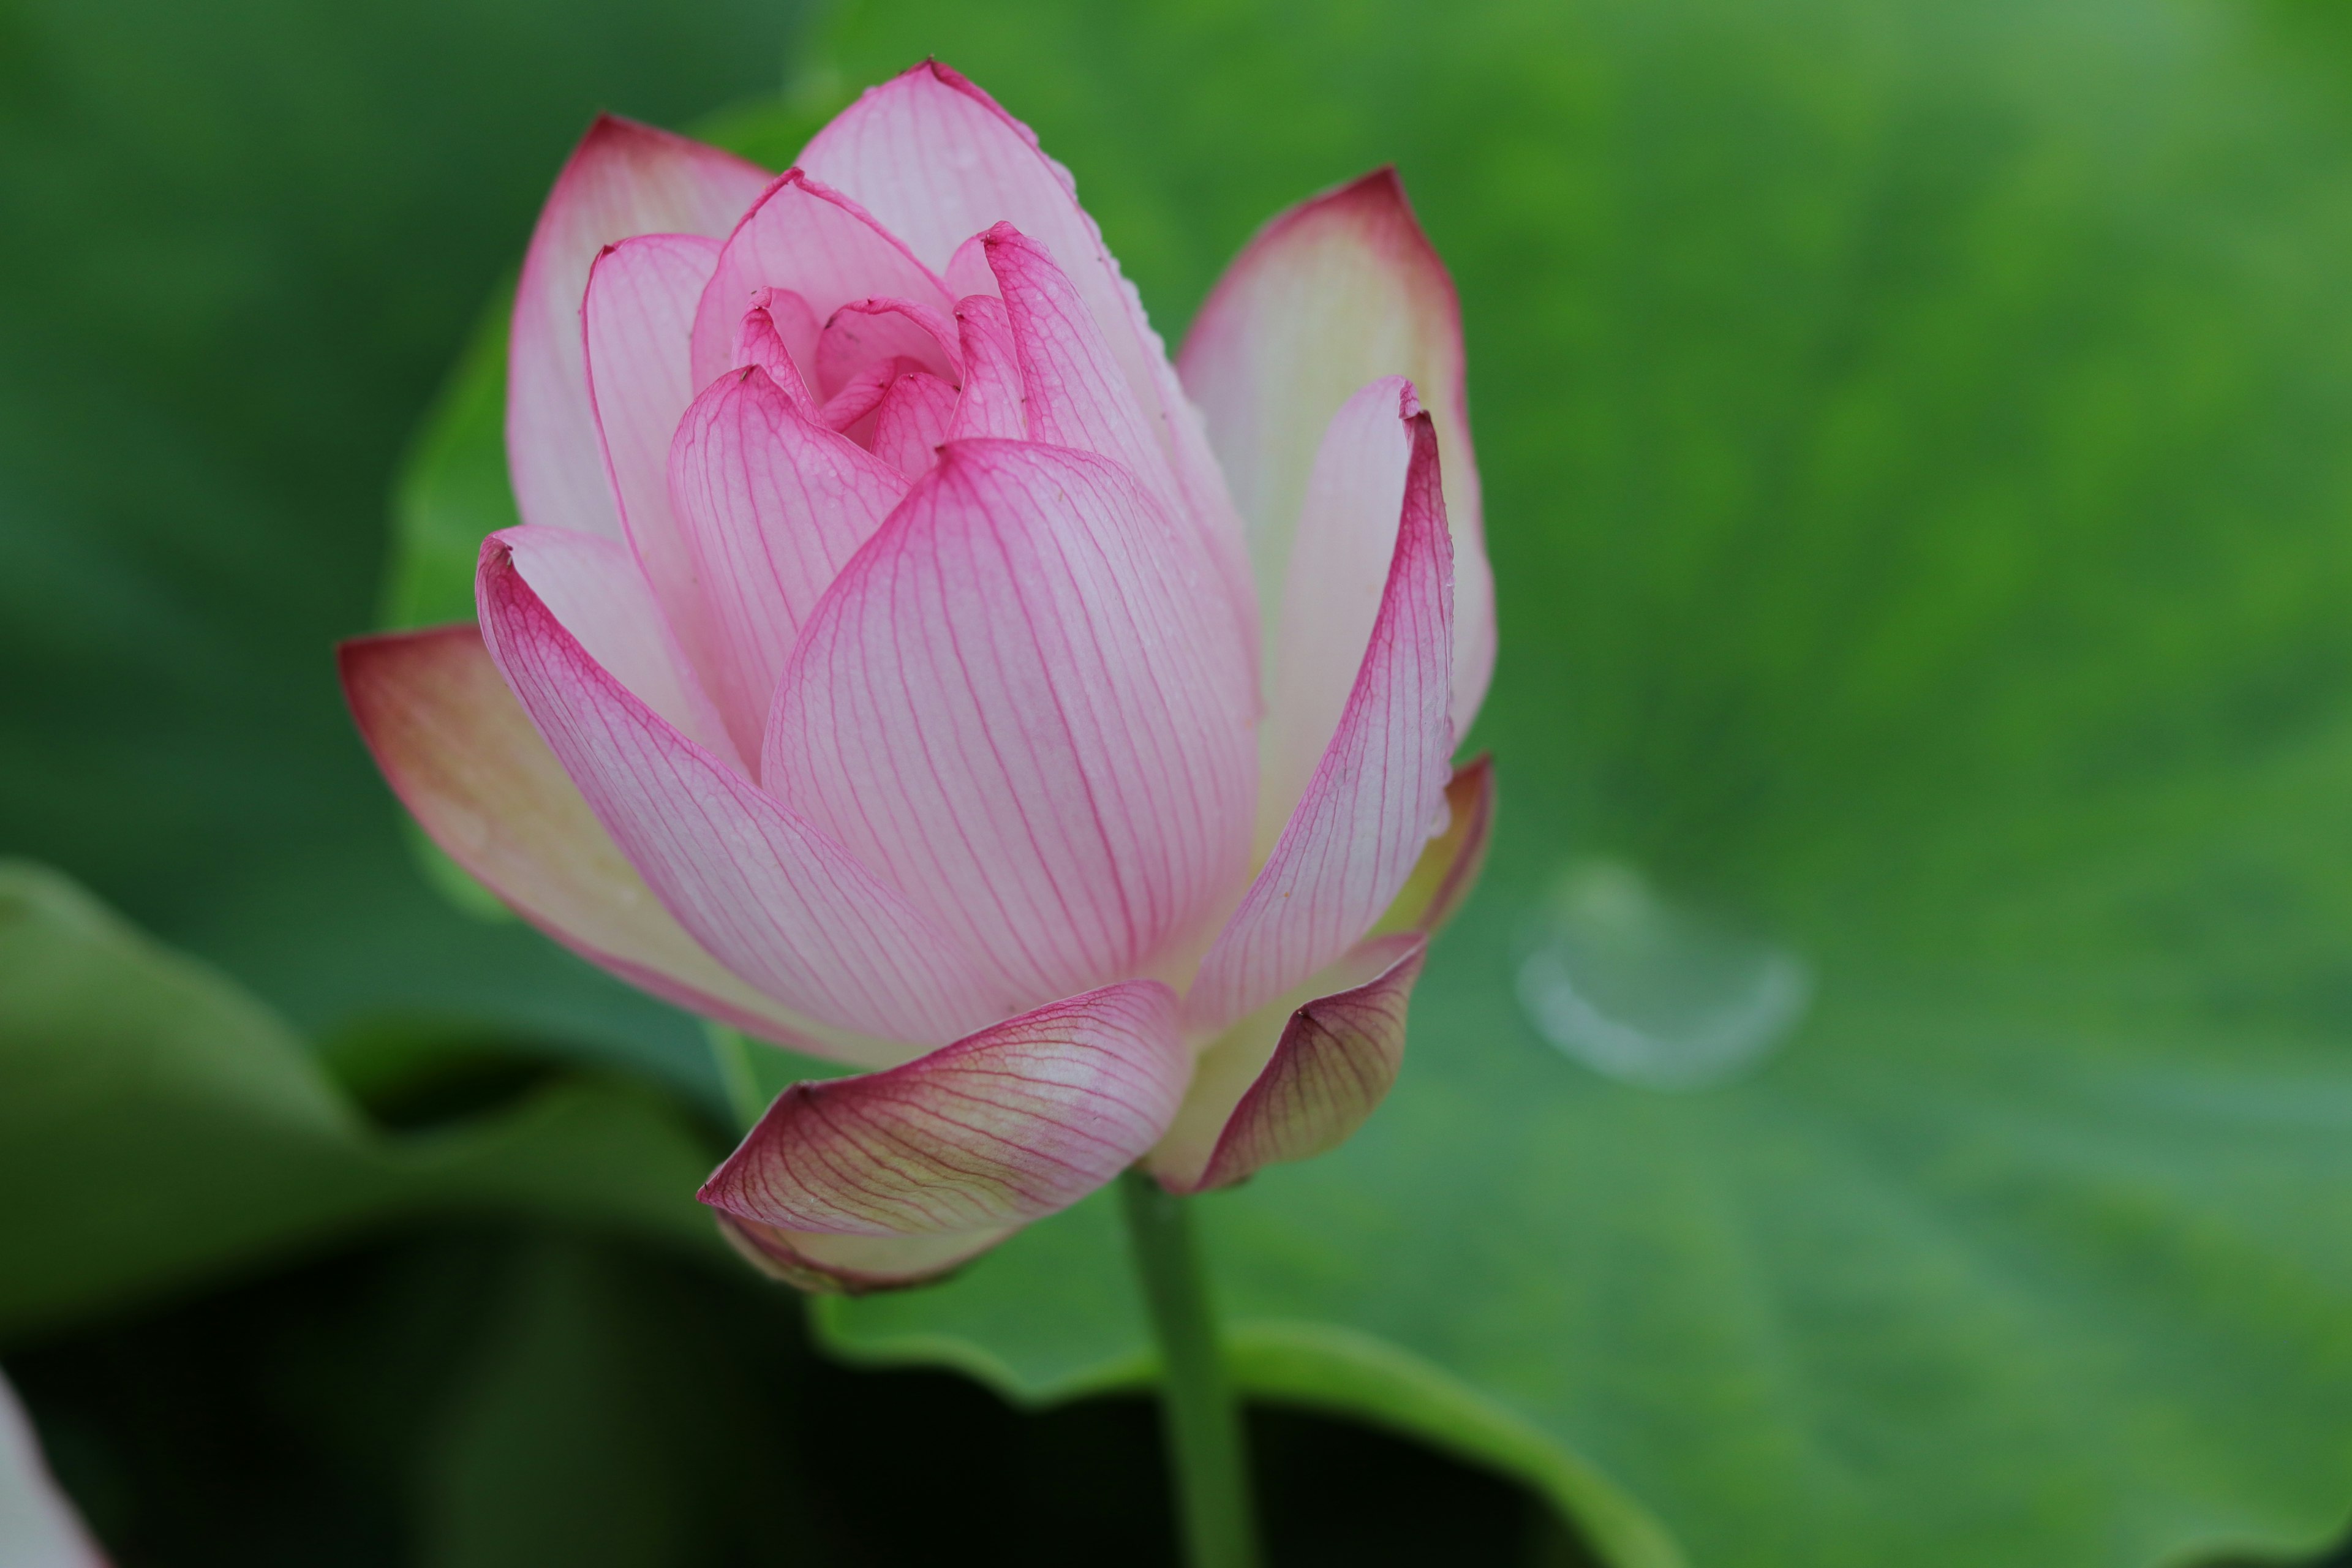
(1913, 446)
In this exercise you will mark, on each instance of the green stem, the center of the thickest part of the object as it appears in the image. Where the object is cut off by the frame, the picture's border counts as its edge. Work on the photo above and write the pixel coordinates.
(1205, 1452)
(733, 1053)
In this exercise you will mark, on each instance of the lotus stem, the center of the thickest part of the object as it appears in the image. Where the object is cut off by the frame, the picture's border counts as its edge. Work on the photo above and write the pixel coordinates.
(1207, 1458)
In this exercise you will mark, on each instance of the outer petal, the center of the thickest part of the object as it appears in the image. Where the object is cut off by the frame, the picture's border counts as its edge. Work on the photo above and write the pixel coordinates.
(38, 1528)
(770, 507)
(817, 243)
(770, 897)
(1336, 575)
(1375, 797)
(1448, 868)
(1295, 1079)
(1331, 294)
(854, 1265)
(1011, 1123)
(1016, 705)
(593, 587)
(461, 754)
(623, 179)
(640, 303)
(936, 159)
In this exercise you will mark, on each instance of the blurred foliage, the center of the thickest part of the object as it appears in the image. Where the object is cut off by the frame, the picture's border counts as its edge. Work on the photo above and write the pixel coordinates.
(1912, 439)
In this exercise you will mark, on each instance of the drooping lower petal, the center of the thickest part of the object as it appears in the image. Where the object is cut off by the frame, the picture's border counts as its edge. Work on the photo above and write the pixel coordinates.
(38, 1526)
(770, 506)
(1007, 1125)
(1296, 1077)
(1339, 291)
(622, 180)
(767, 895)
(805, 237)
(1375, 797)
(462, 757)
(1019, 706)
(854, 1265)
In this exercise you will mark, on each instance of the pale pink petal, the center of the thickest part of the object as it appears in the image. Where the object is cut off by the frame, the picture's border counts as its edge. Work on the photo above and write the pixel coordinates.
(854, 1265)
(1295, 1078)
(864, 332)
(1331, 294)
(770, 506)
(461, 754)
(779, 334)
(911, 424)
(1336, 575)
(967, 271)
(1377, 796)
(1078, 396)
(992, 401)
(1019, 706)
(1449, 866)
(766, 894)
(624, 179)
(38, 1526)
(937, 161)
(816, 242)
(593, 588)
(1009, 1124)
(852, 409)
(641, 301)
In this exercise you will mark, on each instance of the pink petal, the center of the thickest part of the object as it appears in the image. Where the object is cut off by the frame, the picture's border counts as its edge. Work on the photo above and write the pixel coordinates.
(593, 588)
(912, 422)
(1011, 1123)
(624, 179)
(968, 272)
(851, 410)
(779, 334)
(770, 897)
(1078, 396)
(854, 1265)
(937, 161)
(770, 507)
(1375, 797)
(1296, 1080)
(641, 301)
(1448, 867)
(1336, 576)
(816, 242)
(992, 401)
(866, 330)
(38, 1526)
(461, 754)
(1018, 705)
(1331, 294)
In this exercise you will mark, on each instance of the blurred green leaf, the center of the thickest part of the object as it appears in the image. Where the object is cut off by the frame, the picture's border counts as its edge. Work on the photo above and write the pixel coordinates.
(161, 1126)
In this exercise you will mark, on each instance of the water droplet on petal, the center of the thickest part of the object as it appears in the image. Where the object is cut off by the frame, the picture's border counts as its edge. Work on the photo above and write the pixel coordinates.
(1648, 992)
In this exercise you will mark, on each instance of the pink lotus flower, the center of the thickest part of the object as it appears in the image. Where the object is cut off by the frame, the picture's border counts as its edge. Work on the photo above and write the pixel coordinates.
(893, 665)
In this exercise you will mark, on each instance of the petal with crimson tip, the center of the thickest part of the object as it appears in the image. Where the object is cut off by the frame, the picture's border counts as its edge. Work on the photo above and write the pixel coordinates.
(767, 894)
(462, 755)
(1014, 1123)
(1331, 294)
(1376, 795)
(624, 179)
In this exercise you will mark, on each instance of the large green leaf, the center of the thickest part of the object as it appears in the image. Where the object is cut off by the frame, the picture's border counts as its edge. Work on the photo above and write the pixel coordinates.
(159, 1125)
(1913, 446)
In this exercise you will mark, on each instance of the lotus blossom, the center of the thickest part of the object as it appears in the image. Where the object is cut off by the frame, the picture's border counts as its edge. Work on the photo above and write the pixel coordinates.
(899, 660)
